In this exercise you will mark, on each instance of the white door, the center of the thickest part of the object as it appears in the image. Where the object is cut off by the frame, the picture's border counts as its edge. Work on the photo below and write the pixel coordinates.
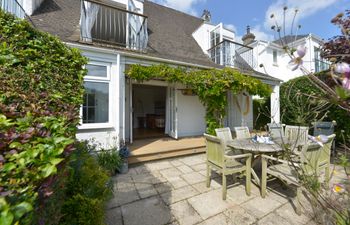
(173, 112)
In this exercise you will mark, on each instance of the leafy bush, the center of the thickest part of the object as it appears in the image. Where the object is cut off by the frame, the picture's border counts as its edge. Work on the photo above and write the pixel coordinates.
(302, 103)
(261, 113)
(79, 193)
(40, 96)
(109, 159)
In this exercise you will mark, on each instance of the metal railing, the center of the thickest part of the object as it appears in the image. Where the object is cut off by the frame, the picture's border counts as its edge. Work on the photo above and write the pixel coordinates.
(13, 7)
(321, 65)
(111, 25)
(233, 54)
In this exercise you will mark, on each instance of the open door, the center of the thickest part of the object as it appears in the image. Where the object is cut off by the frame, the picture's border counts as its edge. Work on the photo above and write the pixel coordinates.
(131, 111)
(172, 99)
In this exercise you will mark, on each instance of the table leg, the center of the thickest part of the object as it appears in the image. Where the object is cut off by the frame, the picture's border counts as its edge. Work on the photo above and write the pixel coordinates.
(255, 176)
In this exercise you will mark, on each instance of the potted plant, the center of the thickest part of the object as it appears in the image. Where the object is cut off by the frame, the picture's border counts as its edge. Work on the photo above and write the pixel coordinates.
(109, 159)
(124, 154)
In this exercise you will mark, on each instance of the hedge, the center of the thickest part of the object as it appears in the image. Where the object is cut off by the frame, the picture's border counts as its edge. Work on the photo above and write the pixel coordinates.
(40, 96)
(295, 111)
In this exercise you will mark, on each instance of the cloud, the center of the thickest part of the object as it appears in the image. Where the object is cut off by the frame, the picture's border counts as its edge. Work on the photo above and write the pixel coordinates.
(181, 5)
(305, 8)
(231, 27)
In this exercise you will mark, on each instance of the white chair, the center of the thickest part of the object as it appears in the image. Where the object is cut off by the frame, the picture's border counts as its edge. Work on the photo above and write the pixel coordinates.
(242, 132)
(276, 130)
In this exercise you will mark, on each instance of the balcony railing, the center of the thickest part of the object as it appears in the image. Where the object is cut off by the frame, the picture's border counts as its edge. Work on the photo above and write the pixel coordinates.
(321, 65)
(232, 54)
(102, 23)
(13, 7)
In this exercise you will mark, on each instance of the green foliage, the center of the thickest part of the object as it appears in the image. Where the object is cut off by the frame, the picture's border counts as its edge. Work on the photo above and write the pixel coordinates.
(79, 192)
(88, 188)
(261, 113)
(300, 109)
(109, 159)
(40, 96)
(211, 86)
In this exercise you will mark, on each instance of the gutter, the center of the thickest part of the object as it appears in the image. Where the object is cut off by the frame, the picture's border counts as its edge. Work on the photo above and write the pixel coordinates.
(138, 56)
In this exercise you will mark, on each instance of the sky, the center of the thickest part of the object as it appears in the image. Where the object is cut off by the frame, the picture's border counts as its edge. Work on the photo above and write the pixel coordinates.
(313, 15)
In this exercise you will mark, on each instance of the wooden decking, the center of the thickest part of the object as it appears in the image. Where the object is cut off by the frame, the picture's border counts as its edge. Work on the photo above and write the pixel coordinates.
(159, 148)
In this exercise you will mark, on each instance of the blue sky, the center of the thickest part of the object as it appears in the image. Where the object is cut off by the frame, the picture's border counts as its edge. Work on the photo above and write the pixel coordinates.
(314, 15)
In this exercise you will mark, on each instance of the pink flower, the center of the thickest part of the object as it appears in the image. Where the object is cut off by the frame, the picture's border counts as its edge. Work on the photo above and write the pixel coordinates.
(346, 83)
(301, 51)
(342, 68)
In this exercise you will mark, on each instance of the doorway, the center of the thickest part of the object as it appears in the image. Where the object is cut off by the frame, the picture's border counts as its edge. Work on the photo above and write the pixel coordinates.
(149, 110)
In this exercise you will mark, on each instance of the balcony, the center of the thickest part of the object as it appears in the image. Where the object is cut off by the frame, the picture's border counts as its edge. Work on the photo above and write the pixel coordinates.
(321, 65)
(14, 7)
(106, 24)
(232, 54)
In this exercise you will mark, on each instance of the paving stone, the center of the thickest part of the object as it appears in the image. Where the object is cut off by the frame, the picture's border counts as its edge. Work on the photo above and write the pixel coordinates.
(142, 169)
(273, 219)
(149, 211)
(237, 215)
(158, 165)
(185, 169)
(193, 177)
(200, 167)
(184, 213)
(259, 207)
(170, 173)
(145, 190)
(209, 204)
(176, 162)
(287, 211)
(114, 217)
(202, 187)
(123, 196)
(220, 219)
(146, 178)
(163, 187)
(177, 182)
(132, 171)
(237, 194)
(192, 160)
(179, 194)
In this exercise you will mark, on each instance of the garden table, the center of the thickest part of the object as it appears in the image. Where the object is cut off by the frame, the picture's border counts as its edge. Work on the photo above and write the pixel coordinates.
(257, 149)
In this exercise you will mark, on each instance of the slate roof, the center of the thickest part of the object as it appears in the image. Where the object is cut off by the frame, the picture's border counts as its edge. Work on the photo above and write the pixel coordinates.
(289, 39)
(170, 31)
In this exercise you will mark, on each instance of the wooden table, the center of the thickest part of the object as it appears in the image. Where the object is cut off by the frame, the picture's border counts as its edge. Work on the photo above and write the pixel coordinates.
(257, 149)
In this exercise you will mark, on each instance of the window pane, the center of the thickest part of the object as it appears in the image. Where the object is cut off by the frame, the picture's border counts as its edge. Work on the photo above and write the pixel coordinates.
(96, 102)
(96, 71)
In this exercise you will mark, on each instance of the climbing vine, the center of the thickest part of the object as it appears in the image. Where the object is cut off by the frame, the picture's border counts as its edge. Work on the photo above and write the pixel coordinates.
(211, 86)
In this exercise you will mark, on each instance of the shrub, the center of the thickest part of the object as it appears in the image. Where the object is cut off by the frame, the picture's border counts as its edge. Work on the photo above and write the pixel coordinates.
(261, 113)
(109, 159)
(40, 96)
(302, 104)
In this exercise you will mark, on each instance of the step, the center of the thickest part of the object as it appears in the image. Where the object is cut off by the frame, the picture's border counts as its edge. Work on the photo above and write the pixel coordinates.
(144, 157)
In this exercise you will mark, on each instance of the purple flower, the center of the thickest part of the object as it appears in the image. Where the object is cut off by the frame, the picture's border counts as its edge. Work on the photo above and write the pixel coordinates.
(342, 68)
(297, 61)
(346, 83)
(301, 51)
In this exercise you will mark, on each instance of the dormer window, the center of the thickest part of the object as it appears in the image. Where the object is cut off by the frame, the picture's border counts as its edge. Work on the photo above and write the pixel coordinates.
(274, 57)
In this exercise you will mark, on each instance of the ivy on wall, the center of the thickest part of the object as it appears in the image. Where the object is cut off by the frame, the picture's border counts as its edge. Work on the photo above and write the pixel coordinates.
(211, 86)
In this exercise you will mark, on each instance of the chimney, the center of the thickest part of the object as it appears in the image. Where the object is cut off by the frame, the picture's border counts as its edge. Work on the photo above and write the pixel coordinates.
(248, 37)
(206, 16)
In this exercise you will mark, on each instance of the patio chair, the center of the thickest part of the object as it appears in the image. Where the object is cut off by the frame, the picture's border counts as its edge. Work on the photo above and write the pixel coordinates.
(242, 132)
(325, 128)
(290, 172)
(325, 158)
(276, 130)
(296, 134)
(225, 164)
(225, 135)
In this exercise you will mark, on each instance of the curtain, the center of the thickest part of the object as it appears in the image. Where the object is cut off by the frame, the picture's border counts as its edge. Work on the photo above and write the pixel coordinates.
(88, 17)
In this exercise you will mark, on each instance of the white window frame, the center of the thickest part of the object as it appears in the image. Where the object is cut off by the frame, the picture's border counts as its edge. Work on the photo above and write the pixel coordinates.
(105, 80)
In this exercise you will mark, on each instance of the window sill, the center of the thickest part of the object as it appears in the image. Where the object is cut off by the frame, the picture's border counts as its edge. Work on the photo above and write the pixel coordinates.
(93, 126)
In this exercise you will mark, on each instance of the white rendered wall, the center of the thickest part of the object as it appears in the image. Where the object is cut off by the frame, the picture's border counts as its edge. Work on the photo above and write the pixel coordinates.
(275, 105)
(106, 136)
(202, 35)
(30, 6)
(191, 115)
(263, 53)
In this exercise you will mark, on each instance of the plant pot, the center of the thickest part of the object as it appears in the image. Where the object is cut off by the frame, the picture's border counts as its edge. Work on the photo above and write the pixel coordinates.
(124, 168)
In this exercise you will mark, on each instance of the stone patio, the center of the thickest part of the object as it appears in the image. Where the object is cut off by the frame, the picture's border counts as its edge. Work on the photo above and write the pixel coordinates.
(173, 191)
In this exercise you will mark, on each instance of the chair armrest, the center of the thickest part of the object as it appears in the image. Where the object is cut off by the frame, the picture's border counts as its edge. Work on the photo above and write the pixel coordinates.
(247, 155)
